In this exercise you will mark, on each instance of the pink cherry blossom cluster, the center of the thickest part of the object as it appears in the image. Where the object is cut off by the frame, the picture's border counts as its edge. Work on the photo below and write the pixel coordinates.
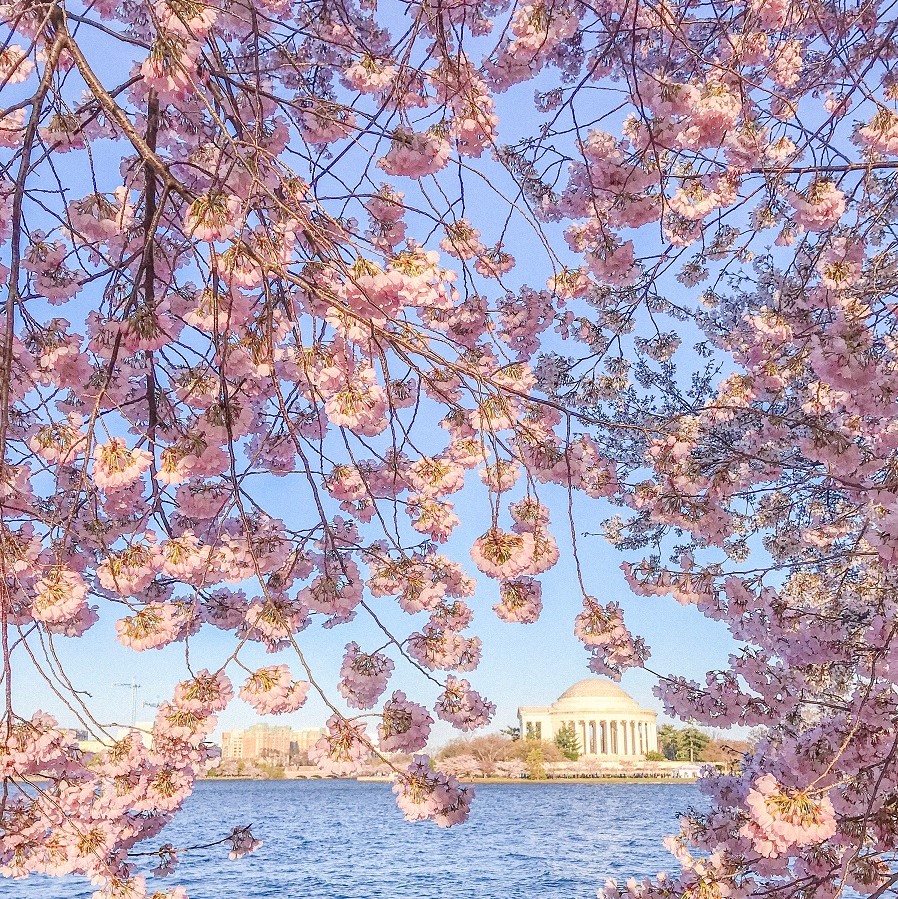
(424, 793)
(819, 207)
(781, 818)
(363, 676)
(272, 690)
(520, 600)
(59, 596)
(463, 707)
(405, 725)
(242, 842)
(204, 690)
(414, 154)
(602, 630)
(116, 466)
(344, 749)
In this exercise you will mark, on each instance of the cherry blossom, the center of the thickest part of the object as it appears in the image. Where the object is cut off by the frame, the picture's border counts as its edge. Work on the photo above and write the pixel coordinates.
(272, 690)
(780, 818)
(344, 749)
(278, 278)
(58, 596)
(405, 725)
(117, 466)
(363, 676)
(423, 793)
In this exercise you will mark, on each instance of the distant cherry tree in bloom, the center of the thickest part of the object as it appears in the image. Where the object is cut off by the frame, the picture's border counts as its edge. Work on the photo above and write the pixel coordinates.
(411, 263)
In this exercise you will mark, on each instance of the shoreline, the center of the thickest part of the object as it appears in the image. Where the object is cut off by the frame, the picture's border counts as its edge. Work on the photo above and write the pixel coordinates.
(584, 780)
(513, 781)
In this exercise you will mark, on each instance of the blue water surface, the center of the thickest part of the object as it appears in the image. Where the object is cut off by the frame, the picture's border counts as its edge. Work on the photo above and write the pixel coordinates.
(340, 839)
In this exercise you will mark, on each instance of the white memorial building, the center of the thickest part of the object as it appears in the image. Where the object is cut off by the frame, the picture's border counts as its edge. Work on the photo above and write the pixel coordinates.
(607, 721)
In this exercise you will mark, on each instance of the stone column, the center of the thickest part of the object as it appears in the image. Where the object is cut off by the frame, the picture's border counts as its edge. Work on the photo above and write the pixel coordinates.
(584, 744)
(634, 749)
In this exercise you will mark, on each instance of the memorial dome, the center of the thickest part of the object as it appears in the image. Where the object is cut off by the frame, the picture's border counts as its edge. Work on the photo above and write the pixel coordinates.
(605, 718)
(595, 693)
(595, 687)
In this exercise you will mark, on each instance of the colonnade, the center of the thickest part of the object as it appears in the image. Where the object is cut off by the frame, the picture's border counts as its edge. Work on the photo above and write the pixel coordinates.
(615, 736)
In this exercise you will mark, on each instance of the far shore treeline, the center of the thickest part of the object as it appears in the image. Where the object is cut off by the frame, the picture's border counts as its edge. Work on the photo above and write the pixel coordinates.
(505, 757)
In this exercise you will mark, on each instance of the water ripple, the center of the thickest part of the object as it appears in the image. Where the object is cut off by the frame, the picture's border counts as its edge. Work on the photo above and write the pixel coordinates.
(347, 840)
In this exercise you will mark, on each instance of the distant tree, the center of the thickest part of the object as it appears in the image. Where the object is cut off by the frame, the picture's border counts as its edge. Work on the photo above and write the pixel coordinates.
(523, 748)
(487, 750)
(725, 753)
(653, 756)
(691, 742)
(463, 766)
(566, 740)
(535, 768)
(299, 758)
(512, 732)
(669, 741)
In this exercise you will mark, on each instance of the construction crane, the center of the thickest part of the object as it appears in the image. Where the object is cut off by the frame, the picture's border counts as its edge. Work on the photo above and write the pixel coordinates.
(134, 687)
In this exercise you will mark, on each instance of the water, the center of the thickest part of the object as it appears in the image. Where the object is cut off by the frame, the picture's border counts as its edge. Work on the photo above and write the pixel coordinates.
(341, 839)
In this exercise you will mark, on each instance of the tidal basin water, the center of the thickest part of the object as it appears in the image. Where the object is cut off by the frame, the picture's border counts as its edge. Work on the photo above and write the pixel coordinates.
(347, 840)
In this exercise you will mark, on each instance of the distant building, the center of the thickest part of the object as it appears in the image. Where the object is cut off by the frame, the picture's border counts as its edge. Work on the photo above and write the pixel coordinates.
(103, 740)
(262, 741)
(607, 721)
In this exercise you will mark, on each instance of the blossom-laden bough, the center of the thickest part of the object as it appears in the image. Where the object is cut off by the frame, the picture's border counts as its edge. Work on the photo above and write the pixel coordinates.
(263, 239)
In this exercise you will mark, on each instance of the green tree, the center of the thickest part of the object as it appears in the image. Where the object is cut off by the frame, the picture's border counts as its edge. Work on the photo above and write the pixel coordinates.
(566, 740)
(691, 743)
(512, 732)
(652, 756)
(535, 768)
(669, 741)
